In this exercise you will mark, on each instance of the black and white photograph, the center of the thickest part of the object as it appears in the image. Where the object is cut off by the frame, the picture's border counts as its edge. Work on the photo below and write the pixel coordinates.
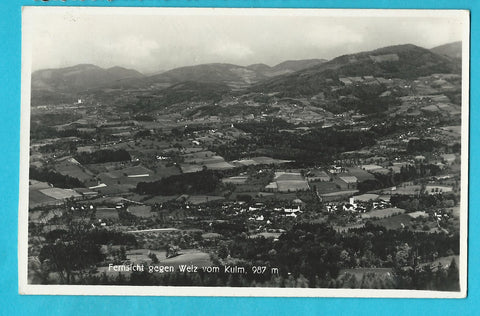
(244, 152)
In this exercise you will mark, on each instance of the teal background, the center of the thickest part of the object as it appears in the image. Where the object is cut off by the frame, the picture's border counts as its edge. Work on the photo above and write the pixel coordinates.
(13, 304)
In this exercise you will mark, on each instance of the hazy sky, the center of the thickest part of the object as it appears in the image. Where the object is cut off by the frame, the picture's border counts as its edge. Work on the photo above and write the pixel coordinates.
(162, 40)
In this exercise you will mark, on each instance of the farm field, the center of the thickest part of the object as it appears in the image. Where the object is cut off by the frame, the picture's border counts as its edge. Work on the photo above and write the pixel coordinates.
(161, 170)
(387, 212)
(106, 213)
(160, 199)
(261, 160)
(456, 212)
(196, 161)
(359, 272)
(339, 193)
(324, 186)
(235, 180)
(43, 216)
(342, 229)
(189, 168)
(74, 170)
(199, 199)
(266, 235)
(37, 185)
(366, 197)
(290, 181)
(37, 198)
(195, 156)
(418, 214)
(395, 222)
(403, 190)
(292, 185)
(59, 194)
(189, 256)
(141, 210)
(444, 261)
(154, 230)
(141, 255)
(220, 165)
(360, 174)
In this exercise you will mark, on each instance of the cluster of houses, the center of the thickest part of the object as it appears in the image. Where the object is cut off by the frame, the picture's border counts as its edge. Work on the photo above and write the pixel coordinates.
(359, 204)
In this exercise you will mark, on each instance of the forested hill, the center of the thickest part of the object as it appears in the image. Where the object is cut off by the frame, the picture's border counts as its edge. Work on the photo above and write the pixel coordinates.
(402, 61)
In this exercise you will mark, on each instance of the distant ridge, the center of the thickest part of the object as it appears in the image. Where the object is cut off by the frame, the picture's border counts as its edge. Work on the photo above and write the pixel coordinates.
(79, 77)
(401, 61)
(291, 77)
(87, 76)
(453, 50)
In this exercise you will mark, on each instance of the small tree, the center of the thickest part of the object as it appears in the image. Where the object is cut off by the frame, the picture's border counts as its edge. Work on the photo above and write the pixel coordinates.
(153, 256)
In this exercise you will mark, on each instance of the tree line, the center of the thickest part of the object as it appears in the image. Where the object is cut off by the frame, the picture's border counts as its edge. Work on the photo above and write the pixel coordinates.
(202, 182)
(102, 156)
(54, 178)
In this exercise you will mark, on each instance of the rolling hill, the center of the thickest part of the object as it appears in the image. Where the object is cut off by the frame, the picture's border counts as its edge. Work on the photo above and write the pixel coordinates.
(401, 61)
(79, 78)
(232, 75)
(84, 77)
(285, 67)
(188, 91)
(453, 50)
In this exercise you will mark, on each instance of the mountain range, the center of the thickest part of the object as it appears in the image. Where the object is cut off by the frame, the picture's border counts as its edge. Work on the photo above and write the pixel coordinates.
(289, 78)
(86, 76)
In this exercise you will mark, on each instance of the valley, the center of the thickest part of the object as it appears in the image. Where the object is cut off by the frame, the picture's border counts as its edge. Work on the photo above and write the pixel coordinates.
(335, 174)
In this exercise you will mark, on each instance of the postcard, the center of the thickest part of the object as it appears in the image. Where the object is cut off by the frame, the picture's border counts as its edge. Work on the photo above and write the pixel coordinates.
(244, 152)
